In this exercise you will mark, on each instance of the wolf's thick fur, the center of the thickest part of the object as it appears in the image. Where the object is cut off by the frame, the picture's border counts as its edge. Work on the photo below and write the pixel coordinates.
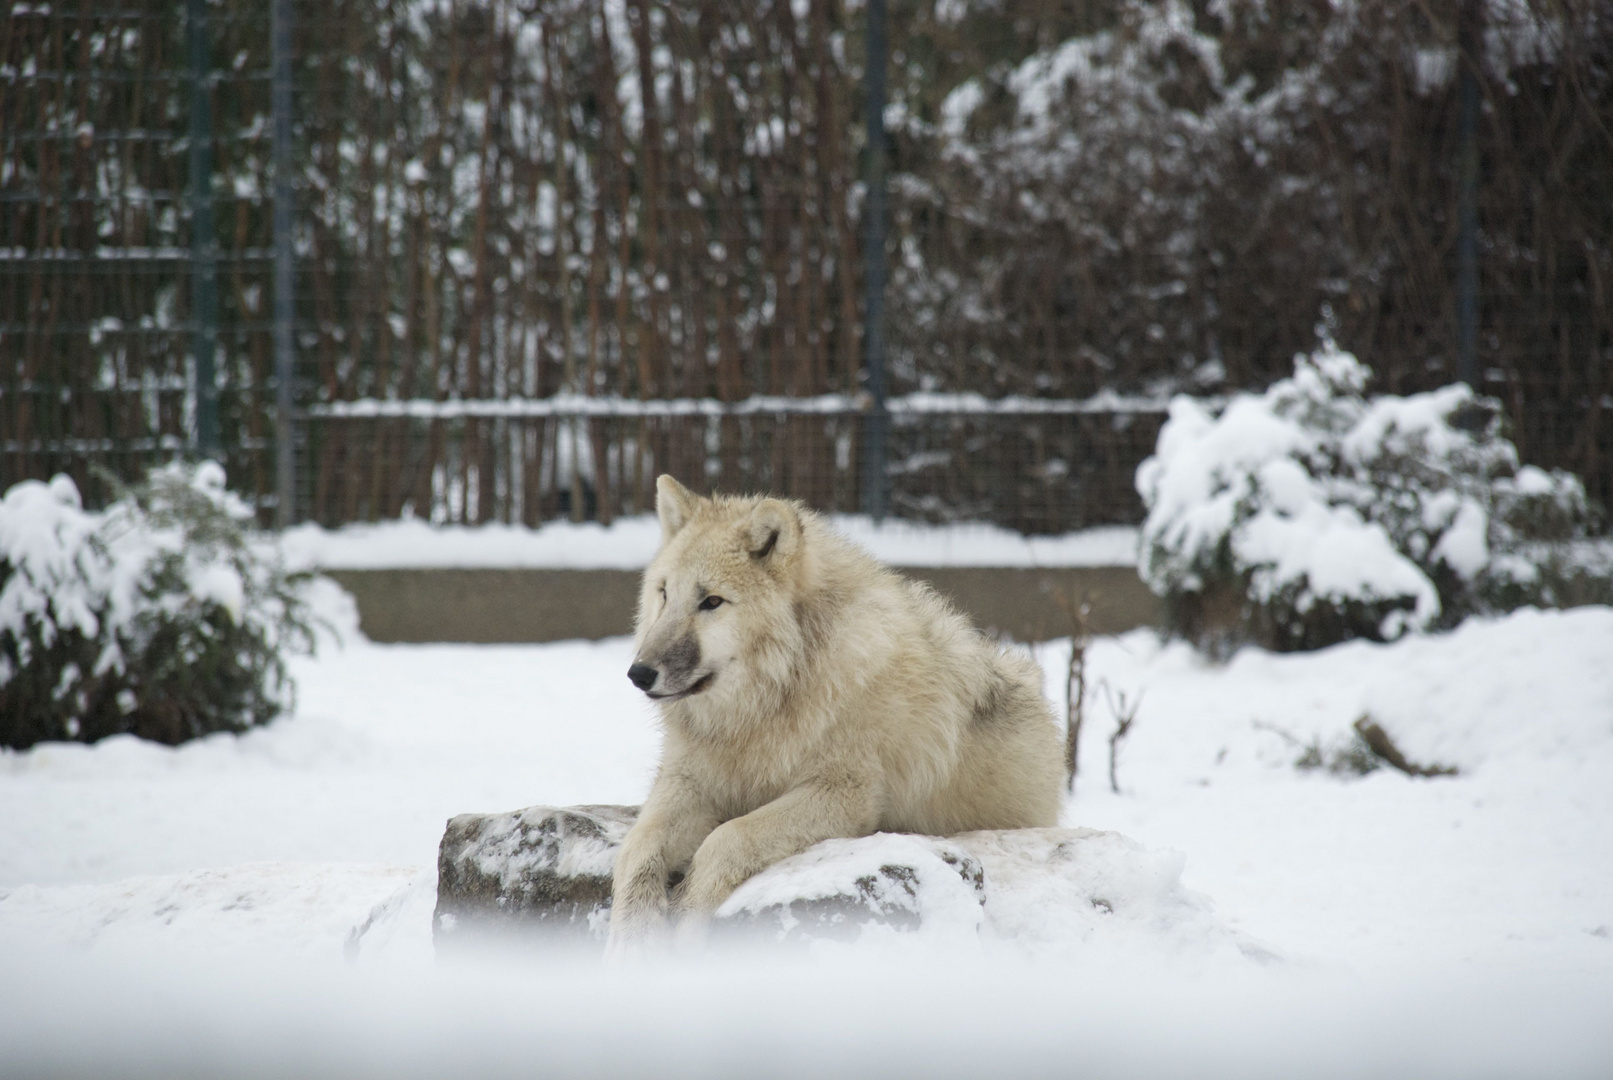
(808, 692)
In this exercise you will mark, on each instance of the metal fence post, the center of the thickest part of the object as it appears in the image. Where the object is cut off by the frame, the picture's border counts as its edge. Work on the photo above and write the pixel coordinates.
(203, 246)
(284, 281)
(1469, 55)
(877, 420)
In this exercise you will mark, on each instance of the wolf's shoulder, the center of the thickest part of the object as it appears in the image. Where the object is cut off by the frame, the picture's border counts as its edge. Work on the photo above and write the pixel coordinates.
(861, 588)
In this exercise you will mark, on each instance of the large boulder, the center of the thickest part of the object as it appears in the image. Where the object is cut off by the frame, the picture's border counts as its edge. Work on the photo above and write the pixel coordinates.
(847, 890)
(545, 868)
(545, 873)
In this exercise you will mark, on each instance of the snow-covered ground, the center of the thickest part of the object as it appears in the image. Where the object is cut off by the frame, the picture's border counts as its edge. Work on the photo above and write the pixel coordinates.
(190, 911)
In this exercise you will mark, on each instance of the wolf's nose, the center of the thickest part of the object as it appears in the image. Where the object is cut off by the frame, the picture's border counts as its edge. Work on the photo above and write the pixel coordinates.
(643, 675)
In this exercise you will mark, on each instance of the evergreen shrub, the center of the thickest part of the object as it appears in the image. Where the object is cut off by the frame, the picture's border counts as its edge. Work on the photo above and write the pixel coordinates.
(1312, 513)
(156, 617)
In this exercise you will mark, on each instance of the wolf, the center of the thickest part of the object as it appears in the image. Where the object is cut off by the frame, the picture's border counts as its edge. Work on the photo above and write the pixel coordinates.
(807, 692)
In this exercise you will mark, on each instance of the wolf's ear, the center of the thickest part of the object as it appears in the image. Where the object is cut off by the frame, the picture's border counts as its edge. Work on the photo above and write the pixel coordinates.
(773, 531)
(674, 504)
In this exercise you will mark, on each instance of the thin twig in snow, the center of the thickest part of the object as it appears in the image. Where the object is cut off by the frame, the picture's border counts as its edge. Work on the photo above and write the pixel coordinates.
(1125, 714)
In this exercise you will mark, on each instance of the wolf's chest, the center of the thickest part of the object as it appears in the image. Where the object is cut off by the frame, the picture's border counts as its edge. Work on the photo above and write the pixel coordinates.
(739, 776)
(737, 790)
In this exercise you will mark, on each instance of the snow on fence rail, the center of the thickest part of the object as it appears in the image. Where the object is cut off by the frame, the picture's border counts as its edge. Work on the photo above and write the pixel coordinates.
(580, 405)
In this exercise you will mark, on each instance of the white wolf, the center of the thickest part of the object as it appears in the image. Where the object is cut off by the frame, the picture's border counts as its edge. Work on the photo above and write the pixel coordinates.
(807, 692)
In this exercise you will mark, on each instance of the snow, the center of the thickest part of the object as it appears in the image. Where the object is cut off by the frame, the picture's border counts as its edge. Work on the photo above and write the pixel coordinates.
(950, 914)
(197, 903)
(1509, 862)
(1433, 68)
(1081, 896)
(1465, 545)
(220, 584)
(959, 105)
(629, 543)
(504, 848)
(1190, 479)
(806, 1020)
(387, 743)
(58, 577)
(1099, 897)
(288, 909)
(1039, 82)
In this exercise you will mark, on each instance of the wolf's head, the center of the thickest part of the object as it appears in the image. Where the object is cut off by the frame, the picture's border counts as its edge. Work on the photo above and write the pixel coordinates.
(717, 597)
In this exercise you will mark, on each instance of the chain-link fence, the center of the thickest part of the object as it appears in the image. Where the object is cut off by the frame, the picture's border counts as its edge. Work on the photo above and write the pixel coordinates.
(96, 325)
(545, 251)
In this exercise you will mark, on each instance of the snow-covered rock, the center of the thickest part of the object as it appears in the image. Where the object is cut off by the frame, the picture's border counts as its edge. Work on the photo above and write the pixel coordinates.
(874, 886)
(1028, 891)
(545, 867)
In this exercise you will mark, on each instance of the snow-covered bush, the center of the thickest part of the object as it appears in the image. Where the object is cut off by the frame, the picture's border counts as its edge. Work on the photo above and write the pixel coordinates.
(154, 616)
(1311, 513)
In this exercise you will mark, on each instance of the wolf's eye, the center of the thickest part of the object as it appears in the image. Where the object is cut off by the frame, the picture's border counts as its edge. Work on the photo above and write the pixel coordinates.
(711, 603)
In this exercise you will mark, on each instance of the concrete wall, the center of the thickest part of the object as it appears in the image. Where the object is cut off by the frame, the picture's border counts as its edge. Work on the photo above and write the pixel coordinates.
(483, 605)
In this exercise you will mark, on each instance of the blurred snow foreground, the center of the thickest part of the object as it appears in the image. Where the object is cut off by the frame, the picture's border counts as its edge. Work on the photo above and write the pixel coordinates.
(265, 903)
(185, 911)
(1311, 514)
(546, 872)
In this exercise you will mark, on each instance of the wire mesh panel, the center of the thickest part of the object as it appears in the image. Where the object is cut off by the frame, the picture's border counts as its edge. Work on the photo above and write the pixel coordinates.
(95, 247)
(522, 201)
(1129, 196)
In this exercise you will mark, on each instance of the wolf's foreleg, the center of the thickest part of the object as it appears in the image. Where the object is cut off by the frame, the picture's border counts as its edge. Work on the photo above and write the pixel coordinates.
(746, 845)
(666, 835)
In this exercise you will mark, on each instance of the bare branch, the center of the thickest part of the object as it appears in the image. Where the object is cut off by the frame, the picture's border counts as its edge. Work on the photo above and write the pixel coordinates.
(1075, 681)
(1124, 710)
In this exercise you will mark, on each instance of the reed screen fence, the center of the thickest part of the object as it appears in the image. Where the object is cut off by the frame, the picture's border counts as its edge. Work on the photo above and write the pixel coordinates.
(526, 231)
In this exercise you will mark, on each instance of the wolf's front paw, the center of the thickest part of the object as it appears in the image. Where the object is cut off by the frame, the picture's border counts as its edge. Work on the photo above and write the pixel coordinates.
(702, 893)
(723, 862)
(636, 934)
(692, 931)
(631, 949)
